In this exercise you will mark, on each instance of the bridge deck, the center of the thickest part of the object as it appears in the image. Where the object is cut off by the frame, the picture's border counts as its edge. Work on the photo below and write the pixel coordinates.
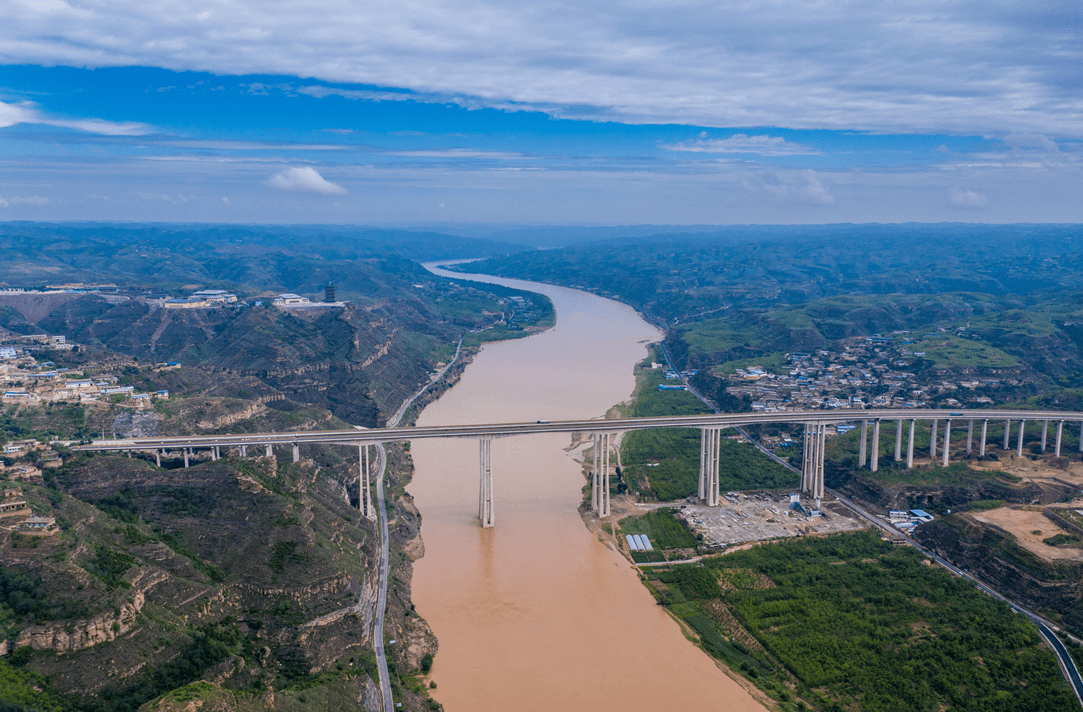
(361, 436)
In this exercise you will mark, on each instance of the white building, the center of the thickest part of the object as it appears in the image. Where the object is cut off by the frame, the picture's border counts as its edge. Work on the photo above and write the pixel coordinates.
(290, 300)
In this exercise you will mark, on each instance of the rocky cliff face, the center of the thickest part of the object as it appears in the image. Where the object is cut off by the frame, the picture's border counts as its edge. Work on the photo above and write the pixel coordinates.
(76, 635)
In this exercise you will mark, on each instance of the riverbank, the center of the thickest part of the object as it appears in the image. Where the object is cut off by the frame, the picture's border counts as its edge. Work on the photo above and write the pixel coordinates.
(536, 613)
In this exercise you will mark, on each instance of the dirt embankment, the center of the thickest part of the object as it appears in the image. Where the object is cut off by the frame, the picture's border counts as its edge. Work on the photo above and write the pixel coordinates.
(1051, 585)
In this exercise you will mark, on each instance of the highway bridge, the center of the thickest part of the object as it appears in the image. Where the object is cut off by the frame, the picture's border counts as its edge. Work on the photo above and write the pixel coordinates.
(815, 422)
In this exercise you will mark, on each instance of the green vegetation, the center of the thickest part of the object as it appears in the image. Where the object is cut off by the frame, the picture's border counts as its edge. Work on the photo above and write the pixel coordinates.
(980, 504)
(663, 527)
(664, 463)
(283, 550)
(22, 690)
(175, 541)
(24, 600)
(947, 350)
(957, 474)
(851, 622)
(1063, 539)
(209, 646)
(109, 565)
(652, 402)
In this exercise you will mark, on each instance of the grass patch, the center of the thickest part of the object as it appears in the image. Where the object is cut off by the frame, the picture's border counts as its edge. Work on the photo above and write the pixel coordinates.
(1062, 540)
(664, 462)
(662, 527)
(949, 350)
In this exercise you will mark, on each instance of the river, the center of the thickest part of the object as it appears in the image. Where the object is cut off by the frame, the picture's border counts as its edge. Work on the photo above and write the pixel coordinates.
(537, 613)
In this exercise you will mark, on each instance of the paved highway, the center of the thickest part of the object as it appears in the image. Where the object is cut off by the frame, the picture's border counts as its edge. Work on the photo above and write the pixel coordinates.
(381, 509)
(381, 598)
(480, 430)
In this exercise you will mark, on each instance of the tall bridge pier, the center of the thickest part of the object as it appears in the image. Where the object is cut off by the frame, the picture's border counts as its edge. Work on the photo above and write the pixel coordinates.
(364, 491)
(710, 442)
(812, 464)
(486, 512)
(599, 491)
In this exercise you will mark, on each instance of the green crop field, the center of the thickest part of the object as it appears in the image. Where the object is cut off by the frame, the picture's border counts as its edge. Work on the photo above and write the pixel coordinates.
(850, 622)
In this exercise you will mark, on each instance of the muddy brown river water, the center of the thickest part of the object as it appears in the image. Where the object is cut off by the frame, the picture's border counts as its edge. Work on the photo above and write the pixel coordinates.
(537, 613)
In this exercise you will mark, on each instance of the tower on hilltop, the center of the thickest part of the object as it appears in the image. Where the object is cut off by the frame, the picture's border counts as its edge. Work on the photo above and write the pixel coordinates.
(329, 293)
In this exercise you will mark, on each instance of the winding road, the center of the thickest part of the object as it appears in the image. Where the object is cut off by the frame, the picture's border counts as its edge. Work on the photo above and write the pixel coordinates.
(385, 567)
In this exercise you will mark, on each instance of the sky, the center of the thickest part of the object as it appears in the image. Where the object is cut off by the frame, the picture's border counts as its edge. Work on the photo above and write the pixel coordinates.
(541, 113)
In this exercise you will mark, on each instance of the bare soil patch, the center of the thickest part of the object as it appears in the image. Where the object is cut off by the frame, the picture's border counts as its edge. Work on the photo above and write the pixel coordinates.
(1022, 523)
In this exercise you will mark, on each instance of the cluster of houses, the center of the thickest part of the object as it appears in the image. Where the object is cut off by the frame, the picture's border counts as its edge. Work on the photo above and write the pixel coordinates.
(15, 514)
(25, 380)
(865, 373)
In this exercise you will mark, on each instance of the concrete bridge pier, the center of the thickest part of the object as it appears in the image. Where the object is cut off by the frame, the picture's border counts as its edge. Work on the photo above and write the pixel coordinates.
(1045, 430)
(910, 446)
(806, 458)
(1081, 436)
(269, 452)
(1060, 432)
(898, 440)
(364, 494)
(969, 436)
(599, 495)
(812, 471)
(874, 459)
(187, 452)
(244, 451)
(296, 452)
(984, 431)
(214, 453)
(486, 512)
(1019, 440)
(861, 452)
(1007, 433)
(158, 457)
(947, 442)
(932, 440)
(710, 443)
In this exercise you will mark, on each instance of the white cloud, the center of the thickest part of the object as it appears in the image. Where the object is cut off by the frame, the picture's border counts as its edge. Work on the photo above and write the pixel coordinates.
(966, 198)
(1031, 142)
(27, 113)
(35, 200)
(304, 180)
(926, 65)
(800, 187)
(741, 143)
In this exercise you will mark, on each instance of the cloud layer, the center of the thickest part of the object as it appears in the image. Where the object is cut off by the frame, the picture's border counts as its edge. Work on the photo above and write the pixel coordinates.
(915, 65)
(304, 180)
(740, 143)
(27, 113)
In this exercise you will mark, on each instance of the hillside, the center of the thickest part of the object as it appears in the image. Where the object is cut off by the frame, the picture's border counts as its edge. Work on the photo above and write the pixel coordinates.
(253, 574)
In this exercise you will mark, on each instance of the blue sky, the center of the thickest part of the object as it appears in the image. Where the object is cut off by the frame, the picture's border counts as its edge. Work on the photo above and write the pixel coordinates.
(676, 113)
